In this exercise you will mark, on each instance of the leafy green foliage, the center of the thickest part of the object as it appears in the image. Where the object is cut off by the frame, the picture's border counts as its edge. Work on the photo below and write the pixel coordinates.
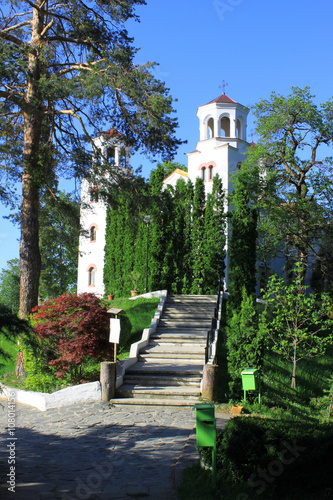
(278, 458)
(242, 242)
(68, 332)
(295, 322)
(59, 239)
(293, 189)
(244, 342)
(10, 285)
(11, 327)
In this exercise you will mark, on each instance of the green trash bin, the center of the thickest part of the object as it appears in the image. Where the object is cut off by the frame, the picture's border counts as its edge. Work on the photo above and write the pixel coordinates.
(205, 424)
(206, 429)
(250, 381)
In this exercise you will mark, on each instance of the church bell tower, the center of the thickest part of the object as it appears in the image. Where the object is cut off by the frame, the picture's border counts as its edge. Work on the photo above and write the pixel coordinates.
(222, 143)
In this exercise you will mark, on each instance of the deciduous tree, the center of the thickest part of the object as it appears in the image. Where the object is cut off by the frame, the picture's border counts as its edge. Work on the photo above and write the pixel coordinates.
(296, 323)
(293, 135)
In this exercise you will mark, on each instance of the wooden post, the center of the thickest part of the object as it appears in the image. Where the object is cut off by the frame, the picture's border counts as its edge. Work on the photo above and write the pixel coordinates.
(108, 379)
(209, 382)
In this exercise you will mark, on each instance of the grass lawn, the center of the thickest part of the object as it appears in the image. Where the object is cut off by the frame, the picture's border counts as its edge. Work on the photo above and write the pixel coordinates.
(137, 317)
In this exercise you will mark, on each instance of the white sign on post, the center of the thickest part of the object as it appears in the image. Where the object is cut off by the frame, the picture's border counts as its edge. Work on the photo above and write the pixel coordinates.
(114, 330)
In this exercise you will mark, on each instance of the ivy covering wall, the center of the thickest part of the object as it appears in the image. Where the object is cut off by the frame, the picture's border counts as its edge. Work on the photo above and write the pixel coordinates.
(186, 238)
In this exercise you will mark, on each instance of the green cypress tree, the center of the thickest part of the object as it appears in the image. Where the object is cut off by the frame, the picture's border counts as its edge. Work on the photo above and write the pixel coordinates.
(188, 253)
(198, 236)
(242, 245)
(244, 341)
(214, 252)
(179, 242)
(109, 275)
(140, 254)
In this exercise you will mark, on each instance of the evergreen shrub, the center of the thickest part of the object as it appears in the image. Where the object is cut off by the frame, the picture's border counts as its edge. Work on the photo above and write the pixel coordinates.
(274, 459)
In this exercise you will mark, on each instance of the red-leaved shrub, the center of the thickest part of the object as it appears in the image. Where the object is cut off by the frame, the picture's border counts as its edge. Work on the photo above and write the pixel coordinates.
(70, 330)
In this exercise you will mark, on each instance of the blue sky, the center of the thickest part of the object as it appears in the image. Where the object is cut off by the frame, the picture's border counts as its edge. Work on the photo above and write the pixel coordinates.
(255, 46)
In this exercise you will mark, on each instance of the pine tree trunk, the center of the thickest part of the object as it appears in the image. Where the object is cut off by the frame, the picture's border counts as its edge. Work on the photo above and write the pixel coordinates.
(30, 262)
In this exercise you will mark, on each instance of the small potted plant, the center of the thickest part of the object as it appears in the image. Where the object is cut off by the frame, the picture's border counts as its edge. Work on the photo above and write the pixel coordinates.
(111, 296)
(135, 278)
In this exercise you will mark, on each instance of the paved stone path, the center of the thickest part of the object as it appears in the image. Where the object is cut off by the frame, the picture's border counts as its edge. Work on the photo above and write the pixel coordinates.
(93, 451)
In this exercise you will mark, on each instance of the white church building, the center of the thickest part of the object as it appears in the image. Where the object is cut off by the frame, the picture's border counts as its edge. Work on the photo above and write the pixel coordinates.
(221, 148)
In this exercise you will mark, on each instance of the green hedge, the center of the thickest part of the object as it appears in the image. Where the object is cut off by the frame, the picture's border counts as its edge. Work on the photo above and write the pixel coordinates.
(274, 459)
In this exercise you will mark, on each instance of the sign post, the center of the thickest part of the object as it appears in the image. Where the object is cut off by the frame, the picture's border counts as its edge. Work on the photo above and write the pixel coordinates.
(115, 330)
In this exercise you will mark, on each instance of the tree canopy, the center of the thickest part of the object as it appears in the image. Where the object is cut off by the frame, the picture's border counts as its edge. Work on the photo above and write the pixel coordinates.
(68, 72)
(294, 173)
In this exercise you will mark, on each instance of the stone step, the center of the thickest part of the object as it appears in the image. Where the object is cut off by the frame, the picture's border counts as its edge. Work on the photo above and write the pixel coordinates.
(190, 317)
(178, 340)
(162, 380)
(150, 392)
(179, 336)
(182, 343)
(197, 299)
(168, 348)
(183, 329)
(154, 401)
(167, 355)
(155, 367)
(190, 321)
(169, 370)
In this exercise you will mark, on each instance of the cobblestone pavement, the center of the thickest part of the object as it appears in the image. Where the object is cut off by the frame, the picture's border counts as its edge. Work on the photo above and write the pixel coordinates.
(93, 451)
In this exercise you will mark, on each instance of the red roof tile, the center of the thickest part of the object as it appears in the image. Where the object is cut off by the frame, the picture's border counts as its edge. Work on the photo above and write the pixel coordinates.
(223, 99)
(113, 133)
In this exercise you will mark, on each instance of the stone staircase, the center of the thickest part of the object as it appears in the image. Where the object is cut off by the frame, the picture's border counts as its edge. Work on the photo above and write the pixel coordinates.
(169, 369)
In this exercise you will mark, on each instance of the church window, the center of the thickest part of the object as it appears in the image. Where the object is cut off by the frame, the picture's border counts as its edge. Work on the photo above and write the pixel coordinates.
(122, 158)
(225, 126)
(91, 276)
(210, 172)
(92, 233)
(239, 129)
(203, 170)
(210, 128)
(111, 155)
(93, 194)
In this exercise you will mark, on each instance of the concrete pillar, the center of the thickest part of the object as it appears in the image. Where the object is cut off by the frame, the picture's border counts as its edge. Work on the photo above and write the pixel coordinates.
(108, 379)
(209, 382)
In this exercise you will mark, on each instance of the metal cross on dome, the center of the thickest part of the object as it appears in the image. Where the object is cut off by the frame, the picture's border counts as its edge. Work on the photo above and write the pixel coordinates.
(223, 86)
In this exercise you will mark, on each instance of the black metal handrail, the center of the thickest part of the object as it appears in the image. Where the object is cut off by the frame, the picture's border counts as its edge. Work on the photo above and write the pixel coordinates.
(211, 331)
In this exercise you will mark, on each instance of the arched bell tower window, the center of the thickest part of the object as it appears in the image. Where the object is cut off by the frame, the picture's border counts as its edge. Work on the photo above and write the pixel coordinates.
(210, 172)
(203, 173)
(210, 128)
(93, 194)
(91, 275)
(239, 128)
(111, 155)
(92, 233)
(225, 126)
